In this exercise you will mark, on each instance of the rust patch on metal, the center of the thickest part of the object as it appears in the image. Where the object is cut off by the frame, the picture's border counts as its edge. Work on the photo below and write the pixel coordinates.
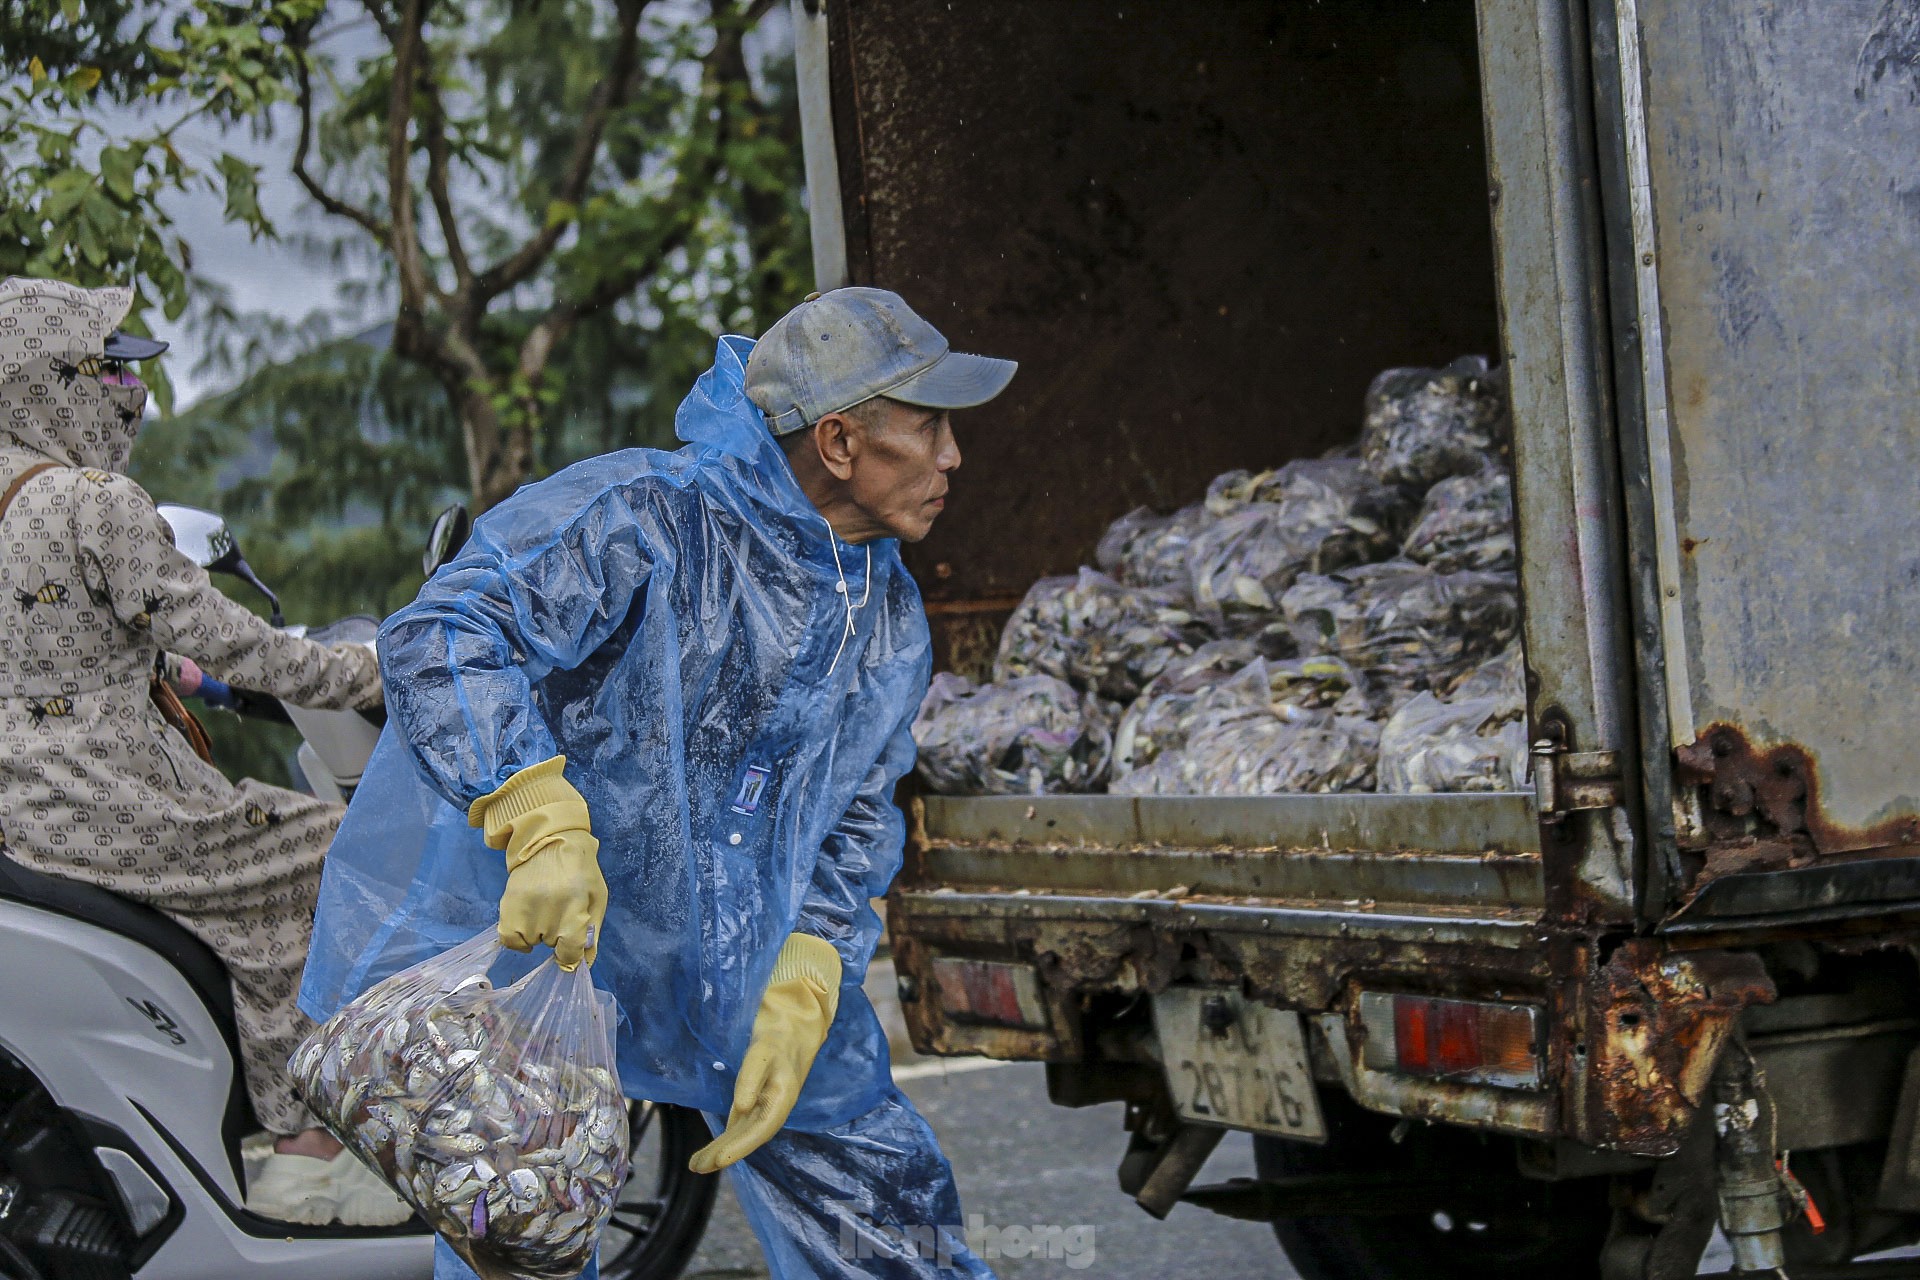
(1656, 1020)
(1762, 806)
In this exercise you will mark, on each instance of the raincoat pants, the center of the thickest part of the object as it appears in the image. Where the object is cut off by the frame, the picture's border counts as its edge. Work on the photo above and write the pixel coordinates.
(733, 688)
(94, 784)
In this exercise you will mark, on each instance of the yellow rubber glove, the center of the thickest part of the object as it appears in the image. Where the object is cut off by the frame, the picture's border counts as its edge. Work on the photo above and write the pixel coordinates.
(555, 893)
(788, 1031)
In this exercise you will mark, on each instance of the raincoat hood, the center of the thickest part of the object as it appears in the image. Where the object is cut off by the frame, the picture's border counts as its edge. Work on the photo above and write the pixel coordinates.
(733, 688)
(47, 404)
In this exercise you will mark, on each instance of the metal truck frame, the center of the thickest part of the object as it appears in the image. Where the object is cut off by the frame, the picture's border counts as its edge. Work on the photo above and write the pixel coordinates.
(1699, 927)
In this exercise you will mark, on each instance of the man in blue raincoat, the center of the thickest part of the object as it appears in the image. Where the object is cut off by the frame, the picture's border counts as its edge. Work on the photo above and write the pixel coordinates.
(675, 691)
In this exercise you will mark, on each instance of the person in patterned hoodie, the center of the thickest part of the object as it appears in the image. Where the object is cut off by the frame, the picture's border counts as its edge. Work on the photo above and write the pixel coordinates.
(95, 784)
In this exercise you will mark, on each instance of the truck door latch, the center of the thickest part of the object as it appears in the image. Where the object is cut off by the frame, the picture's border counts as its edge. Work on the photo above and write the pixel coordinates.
(1565, 781)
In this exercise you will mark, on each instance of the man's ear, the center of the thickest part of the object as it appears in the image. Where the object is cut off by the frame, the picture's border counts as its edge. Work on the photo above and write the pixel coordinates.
(834, 437)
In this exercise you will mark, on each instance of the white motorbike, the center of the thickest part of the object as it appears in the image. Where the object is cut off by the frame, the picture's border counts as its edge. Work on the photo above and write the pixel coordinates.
(124, 1122)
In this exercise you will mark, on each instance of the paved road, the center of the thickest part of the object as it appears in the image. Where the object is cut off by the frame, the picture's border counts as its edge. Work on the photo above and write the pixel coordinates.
(1021, 1161)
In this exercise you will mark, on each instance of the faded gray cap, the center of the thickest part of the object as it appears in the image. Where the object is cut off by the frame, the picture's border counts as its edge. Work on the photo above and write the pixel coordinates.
(837, 349)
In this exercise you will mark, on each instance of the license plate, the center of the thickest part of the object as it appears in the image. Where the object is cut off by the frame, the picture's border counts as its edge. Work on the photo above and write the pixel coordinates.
(1236, 1063)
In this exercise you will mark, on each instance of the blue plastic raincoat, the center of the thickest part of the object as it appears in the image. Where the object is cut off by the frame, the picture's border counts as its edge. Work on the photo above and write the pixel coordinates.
(678, 626)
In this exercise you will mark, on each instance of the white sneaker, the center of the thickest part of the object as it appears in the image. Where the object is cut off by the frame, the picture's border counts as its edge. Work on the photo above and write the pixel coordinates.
(314, 1192)
(365, 1198)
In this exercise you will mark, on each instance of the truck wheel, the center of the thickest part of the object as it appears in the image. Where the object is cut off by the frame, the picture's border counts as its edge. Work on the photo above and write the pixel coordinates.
(1498, 1223)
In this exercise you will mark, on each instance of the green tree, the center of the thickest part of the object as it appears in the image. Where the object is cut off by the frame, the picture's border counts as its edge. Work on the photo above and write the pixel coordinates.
(523, 170)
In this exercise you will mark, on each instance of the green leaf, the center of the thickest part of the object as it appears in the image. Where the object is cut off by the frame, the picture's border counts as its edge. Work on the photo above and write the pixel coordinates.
(117, 170)
(65, 191)
(70, 11)
(92, 247)
(243, 194)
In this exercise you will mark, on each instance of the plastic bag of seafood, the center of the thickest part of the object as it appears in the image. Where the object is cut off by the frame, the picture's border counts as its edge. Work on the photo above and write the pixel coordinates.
(1265, 751)
(1030, 736)
(1476, 740)
(1146, 549)
(495, 1113)
(1217, 683)
(1316, 490)
(1465, 523)
(1101, 635)
(1405, 627)
(1502, 676)
(1243, 562)
(1423, 425)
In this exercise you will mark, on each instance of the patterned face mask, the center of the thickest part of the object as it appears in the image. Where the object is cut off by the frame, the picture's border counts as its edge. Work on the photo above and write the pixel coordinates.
(124, 391)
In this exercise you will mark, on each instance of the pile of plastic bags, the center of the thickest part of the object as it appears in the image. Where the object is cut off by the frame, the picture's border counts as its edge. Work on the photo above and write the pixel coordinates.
(1344, 623)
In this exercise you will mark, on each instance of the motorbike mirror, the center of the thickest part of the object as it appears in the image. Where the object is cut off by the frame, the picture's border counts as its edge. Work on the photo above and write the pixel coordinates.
(444, 540)
(204, 538)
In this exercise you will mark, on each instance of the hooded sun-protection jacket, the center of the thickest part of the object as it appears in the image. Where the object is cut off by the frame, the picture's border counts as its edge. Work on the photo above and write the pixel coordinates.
(94, 784)
(676, 625)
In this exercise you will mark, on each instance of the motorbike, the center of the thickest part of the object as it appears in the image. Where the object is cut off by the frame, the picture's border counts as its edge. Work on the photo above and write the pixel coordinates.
(126, 1134)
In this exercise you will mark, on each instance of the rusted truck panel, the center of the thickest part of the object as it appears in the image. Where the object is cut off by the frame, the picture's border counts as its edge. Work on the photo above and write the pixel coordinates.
(1781, 144)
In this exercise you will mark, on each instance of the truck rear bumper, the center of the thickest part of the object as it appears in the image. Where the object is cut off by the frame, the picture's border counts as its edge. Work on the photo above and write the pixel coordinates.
(1064, 962)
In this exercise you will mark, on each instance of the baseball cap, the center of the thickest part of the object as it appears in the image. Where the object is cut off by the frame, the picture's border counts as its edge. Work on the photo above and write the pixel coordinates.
(839, 348)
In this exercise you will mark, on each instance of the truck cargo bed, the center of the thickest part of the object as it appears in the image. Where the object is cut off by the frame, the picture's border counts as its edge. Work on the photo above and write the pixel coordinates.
(1418, 852)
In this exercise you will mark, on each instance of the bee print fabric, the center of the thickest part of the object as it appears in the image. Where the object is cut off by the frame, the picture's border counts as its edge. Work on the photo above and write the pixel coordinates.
(94, 784)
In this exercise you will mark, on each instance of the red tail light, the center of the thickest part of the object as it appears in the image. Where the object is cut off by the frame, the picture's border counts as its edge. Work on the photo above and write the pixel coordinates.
(984, 991)
(1472, 1041)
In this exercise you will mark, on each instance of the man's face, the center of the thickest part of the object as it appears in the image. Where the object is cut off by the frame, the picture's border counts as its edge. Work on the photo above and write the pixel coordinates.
(899, 477)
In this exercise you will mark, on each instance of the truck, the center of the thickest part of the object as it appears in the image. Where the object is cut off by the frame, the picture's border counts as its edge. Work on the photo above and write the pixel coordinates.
(1557, 1032)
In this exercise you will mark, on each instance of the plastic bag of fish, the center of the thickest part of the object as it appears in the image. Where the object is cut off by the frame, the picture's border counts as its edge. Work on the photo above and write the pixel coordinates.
(1465, 523)
(1098, 634)
(496, 1113)
(1405, 627)
(1423, 425)
(1244, 561)
(1145, 549)
(1252, 747)
(1216, 683)
(1030, 736)
(1474, 740)
(1317, 491)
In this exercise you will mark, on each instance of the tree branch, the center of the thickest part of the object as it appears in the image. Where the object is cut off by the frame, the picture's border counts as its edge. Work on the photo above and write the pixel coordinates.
(325, 199)
(608, 97)
(403, 237)
(723, 65)
(433, 124)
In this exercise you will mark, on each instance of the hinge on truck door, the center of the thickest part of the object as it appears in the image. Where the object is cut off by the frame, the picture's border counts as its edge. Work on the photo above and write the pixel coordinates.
(1565, 781)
